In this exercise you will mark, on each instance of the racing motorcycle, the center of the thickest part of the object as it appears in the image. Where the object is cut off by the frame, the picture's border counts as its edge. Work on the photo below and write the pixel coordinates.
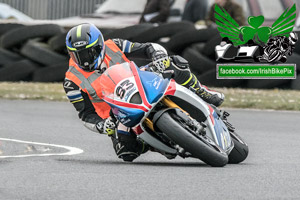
(170, 118)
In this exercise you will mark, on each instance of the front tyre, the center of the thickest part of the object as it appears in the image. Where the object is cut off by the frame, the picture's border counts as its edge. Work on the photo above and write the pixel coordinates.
(240, 151)
(199, 146)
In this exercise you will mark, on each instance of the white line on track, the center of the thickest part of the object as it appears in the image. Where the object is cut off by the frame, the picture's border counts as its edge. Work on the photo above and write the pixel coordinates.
(71, 150)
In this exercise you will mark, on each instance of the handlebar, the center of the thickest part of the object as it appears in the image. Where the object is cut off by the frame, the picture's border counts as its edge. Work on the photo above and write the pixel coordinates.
(153, 68)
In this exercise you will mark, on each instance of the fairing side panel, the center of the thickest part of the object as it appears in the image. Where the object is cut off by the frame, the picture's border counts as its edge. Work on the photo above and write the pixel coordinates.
(156, 143)
(215, 127)
(192, 98)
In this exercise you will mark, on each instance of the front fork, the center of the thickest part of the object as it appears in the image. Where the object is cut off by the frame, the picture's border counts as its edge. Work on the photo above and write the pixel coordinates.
(200, 127)
(167, 102)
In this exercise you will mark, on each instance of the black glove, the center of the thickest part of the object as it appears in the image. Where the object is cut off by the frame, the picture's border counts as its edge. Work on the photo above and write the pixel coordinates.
(161, 61)
(107, 126)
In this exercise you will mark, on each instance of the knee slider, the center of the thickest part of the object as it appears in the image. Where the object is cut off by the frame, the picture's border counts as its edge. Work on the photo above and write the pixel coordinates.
(128, 157)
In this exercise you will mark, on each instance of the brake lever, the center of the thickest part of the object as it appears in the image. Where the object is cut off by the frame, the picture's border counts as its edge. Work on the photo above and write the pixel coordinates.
(149, 67)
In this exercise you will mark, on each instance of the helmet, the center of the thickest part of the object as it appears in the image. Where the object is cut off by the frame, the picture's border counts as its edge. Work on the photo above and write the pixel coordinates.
(86, 47)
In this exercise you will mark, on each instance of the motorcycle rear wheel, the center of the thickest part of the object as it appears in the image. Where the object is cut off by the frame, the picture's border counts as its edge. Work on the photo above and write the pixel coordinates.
(199, 146)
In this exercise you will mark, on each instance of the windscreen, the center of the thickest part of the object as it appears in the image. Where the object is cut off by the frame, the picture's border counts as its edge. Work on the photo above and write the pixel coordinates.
(112, 78)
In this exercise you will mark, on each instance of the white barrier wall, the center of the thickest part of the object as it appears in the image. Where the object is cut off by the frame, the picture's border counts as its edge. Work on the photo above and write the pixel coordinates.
(54, 9)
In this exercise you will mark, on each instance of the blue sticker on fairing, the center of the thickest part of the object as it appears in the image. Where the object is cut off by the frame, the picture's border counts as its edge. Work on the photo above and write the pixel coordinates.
(154, 85)
(129, 117)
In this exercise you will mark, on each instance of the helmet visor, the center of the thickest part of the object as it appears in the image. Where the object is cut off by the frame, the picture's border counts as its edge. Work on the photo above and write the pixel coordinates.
(87, 57)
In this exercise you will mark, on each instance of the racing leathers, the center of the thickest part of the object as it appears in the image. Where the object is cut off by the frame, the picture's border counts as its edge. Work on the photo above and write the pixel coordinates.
(87, 97)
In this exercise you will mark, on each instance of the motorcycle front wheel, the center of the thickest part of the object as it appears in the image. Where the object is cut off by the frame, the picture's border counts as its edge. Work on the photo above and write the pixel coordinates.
(199, 146)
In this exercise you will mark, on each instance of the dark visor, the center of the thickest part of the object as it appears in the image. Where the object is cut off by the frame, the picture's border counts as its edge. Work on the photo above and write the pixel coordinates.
(85, 58)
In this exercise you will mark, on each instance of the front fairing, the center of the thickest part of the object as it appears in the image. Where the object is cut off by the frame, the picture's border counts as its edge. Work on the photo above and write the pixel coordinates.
(154, 85)
(112, 77)
(130, 92)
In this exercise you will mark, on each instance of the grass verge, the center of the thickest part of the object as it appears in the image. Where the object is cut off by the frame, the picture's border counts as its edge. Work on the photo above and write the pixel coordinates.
(235, 98)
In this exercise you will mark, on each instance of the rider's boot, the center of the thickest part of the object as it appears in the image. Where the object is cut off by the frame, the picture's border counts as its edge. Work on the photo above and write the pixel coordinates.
(127, 146)
(183, 75)
(210, 96)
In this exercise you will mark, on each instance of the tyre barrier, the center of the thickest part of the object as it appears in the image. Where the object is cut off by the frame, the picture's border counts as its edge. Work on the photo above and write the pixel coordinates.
(53, 73)
(181, 40)
(17, 36)
(7, 57)
(7, 27)
(17, 71)
(38, 53)
(58, 43)
(198, 62)
(41, 53)
(32, 53)
(163, 30)
(128, 33)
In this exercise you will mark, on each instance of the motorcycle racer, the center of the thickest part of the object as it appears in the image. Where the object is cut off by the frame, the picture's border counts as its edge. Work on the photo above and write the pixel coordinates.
(90, 56)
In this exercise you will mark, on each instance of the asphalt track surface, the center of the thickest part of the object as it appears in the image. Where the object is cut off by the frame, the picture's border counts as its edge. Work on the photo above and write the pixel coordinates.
(270, 172)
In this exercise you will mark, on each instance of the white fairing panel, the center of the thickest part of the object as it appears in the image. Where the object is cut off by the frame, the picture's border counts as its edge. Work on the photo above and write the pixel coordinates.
(187, 95)
(192, 98)
(149, 139)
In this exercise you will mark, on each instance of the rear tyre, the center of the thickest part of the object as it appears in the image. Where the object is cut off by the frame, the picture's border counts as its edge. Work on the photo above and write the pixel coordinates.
(199, 146)
(240, 151)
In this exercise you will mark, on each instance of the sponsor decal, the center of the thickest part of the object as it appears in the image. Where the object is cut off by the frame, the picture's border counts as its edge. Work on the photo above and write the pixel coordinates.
(155, 83)
(67, 85)
(80, 44)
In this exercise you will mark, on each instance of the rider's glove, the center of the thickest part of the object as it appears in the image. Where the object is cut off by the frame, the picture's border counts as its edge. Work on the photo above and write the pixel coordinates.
(161, 61)
(107, 126)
